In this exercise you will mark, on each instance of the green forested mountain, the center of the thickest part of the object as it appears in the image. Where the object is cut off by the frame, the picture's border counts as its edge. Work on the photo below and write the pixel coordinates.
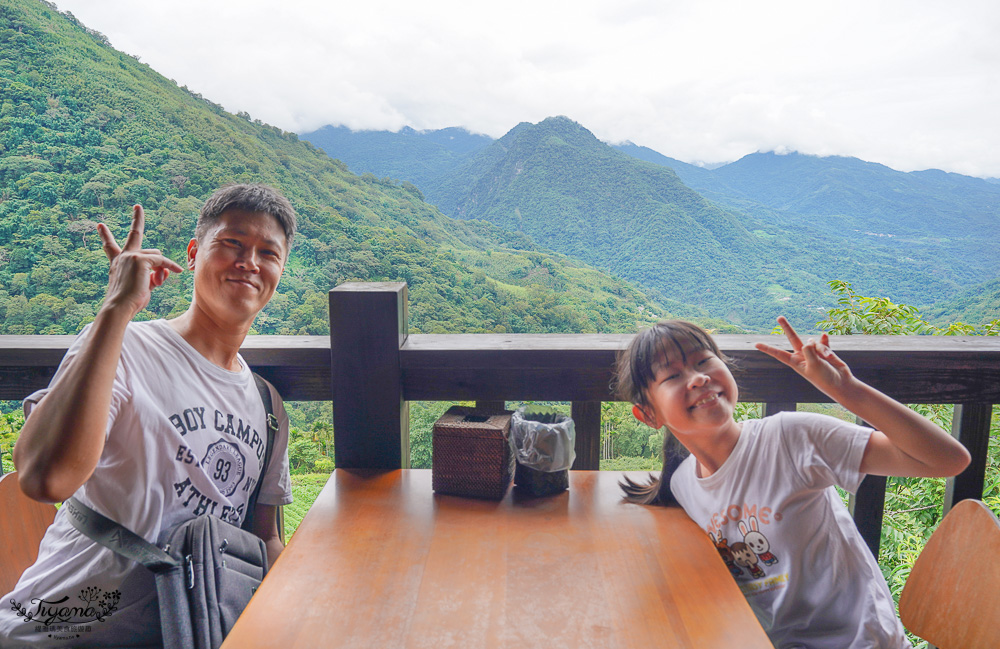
(919, 238)
(420, 157)
(86, 131)
(857, 193)
(930, 217)
(974, 305)
(558, 184)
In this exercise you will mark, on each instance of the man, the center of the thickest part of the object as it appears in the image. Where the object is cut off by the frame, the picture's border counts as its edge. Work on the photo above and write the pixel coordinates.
(153, 423)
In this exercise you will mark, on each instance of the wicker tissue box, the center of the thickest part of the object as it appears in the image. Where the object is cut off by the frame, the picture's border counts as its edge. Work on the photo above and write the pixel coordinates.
(472, 453)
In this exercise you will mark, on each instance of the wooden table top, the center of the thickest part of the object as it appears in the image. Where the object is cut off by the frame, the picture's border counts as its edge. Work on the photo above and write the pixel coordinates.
(381, 561)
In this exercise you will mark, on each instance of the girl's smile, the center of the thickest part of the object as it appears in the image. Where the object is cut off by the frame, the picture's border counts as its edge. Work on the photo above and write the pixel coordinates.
(708, 399)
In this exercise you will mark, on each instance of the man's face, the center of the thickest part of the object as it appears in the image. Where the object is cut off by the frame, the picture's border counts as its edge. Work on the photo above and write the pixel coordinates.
(237, 265)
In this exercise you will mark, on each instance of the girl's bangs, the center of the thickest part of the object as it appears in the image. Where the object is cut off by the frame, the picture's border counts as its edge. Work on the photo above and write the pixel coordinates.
(673, 344)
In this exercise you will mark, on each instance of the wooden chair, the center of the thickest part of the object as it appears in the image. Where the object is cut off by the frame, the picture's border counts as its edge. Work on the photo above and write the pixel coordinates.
(23, 522)
(952, 597)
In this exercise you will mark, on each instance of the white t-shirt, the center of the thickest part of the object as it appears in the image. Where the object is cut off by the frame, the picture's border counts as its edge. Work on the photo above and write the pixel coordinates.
(185, 438)
(786, 536)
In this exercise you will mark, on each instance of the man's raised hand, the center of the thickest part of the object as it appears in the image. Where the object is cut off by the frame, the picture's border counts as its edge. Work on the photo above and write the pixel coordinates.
(135, 271)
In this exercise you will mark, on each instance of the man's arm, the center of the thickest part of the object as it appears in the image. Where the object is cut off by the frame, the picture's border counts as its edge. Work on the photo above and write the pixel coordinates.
(904, 442)
(63, 438)
(265, 525)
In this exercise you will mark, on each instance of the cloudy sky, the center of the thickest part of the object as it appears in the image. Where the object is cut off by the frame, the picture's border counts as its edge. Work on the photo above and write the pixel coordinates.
(913, 84)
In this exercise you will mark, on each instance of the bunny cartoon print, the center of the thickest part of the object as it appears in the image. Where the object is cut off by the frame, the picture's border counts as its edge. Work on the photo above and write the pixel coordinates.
(757, 542)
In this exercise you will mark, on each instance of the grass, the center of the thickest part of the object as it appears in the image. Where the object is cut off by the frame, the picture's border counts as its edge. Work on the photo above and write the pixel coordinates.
(305, 490)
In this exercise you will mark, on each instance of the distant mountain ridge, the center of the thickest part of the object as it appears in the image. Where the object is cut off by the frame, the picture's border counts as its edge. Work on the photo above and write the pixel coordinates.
(796, 183)
(917, 202)
(802, 220)
(415, 156)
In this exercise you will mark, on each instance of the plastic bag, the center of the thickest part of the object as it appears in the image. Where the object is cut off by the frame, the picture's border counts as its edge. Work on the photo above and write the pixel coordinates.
(544, 440)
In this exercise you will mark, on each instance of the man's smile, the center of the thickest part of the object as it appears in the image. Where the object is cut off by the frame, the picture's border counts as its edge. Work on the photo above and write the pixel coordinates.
(242, 282)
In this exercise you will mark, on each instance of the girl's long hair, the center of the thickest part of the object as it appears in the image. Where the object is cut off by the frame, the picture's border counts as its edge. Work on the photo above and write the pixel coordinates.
(635, 370)
(657, 490)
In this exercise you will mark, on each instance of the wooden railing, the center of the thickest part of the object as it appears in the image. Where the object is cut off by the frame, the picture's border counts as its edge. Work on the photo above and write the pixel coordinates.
(370, 368)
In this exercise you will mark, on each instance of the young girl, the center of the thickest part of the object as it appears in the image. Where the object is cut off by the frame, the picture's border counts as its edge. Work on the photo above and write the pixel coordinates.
(763, 489)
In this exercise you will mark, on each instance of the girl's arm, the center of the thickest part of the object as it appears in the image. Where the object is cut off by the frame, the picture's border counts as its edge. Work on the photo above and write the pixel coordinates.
(904, 442)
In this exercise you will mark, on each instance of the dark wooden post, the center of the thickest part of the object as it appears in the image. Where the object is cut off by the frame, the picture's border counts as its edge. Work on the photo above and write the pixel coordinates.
(774, 407)
(587, 422)
(368, 323)
(971, 426)
(867, 507)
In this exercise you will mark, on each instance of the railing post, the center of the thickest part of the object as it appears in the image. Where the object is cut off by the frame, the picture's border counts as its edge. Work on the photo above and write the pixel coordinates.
(587, 422)
(368, 323)
(971, 426)
(774, 407)
(867, 507)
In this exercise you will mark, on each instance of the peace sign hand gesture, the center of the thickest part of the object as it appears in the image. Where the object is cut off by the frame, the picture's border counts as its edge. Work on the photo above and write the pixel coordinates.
(135, 270)
(813, 360)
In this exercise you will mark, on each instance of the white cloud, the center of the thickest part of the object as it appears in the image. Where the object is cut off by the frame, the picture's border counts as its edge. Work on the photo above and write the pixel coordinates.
(912, 84)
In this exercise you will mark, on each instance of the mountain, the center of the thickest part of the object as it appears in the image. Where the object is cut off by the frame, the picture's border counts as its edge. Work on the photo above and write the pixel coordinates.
(931, 213)
(86, 131)
(684, 170)
(920, 203)
(416, 156)
(564, 188)
(975, 305)
(918, 238)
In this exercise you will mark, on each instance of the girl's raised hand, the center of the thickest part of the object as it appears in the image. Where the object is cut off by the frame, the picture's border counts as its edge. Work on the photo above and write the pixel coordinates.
(813, 359)
(135, 271)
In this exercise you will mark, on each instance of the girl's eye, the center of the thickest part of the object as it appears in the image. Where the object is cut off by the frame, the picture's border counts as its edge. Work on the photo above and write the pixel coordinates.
(704, 360)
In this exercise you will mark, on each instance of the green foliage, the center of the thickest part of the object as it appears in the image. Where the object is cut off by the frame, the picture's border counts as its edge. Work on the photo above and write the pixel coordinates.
(86, 131)
(423, 414)
(631, 464)
(310, 437)
(979, 303)
(11, 420)
(305, 490)
(855, 314)
(625, 437)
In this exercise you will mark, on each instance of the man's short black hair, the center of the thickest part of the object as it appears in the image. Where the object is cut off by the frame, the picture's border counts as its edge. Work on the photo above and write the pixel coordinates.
(249, 198)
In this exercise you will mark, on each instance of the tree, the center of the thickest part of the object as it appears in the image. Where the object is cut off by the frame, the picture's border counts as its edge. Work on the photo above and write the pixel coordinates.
(82, 227)
(855, 314)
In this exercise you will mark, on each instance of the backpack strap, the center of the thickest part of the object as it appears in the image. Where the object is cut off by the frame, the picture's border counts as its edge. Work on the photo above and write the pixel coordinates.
(117, 538)
(272, 431)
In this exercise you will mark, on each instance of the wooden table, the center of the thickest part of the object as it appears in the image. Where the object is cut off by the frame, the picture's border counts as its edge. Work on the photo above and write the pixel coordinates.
(380, 561)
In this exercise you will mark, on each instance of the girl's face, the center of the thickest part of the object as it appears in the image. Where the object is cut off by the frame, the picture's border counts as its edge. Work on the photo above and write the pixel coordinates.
(693, 393)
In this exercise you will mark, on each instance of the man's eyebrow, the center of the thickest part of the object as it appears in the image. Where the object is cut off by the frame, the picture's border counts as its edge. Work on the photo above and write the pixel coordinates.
(240, 231)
